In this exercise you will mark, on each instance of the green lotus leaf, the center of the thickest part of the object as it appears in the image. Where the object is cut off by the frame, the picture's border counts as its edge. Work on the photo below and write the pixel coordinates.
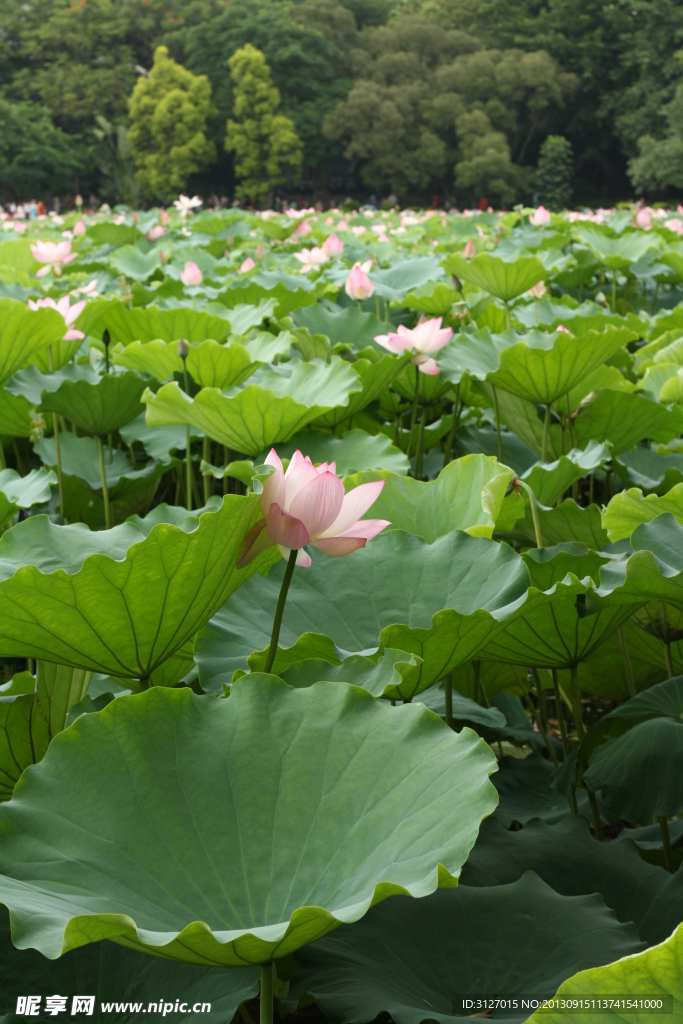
(405, 275)
(122, 977)
(476, 353)
(628, 509)
(208, 362)
(527, 791)
(385, 674)
(466, 495)
(417, 961)
(662, 701)
(624, 419)
(132, 262)
(100, 406)
(354, 452)
(15, 415)
(504, 279)
(120, 601)
(663, 383)
(542, 366)
(126, 324)
(285, 291)
(23, 333)
(439, 601)
(655, 571)
(620, 252)
(158, 442)
(79, 459)
(271, 408)
(376, 377)
(272, 858)
(432, 299)
(652, 468)
(568, 522)
(23, 491)
(28, 721)
(350, 326)
(633, 773)
(573, 863)
(653, 974)
(630, 659)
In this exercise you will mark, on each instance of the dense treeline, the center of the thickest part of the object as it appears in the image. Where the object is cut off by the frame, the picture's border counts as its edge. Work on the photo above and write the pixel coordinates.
(421, 98)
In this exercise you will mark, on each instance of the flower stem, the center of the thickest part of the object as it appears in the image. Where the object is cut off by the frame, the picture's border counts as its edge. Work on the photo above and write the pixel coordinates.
(533, 507)
(496, 412)
(448, 695)
(666, 843)
(266, 992)
(279, 611)
(206, 456)
(416, 406)
(546, 432)
(103, 479)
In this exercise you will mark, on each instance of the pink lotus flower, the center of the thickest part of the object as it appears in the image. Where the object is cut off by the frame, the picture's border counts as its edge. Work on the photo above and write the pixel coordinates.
(333, 246)
(470, 250)
(54, 255)
(191, 274)
(246, 265)
(538, 290)
(674, 224)
(302, 229)
(311, 259)
(68, 313)
(643, 218)
(423, 341)
(79, 227)
(307, 505)
(358, 284)
(540, 217)
(156, 232)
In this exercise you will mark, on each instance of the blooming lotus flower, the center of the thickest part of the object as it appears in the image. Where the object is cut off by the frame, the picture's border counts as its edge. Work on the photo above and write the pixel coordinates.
(79, 227)
(54, 255)
(540, 217)
(156, 232)
(643, 218)
(185, 205)
(423, 341)
(191, 274)
(358, 284)
(538, 290)
(68, 313)
(246, 265)
(302, 229)
(333, 246)
(307, 505)
(311, 259)
(469, 250)
(674, 224)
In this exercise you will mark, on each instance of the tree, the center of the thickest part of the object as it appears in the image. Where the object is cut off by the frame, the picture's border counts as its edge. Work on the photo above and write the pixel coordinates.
(36, 157)
(555, 173)
(659, 165)
(168, 113)
(264, 143)
(485, 167)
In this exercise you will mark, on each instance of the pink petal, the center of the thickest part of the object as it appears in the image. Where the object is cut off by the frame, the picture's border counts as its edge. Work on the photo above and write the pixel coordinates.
(365, 528)
(274, 485)
(338, 546)
(299, 472)
(303, 559)
(43, 270)
(429, 366)
(285, 529)
(317, 503)
(73, 335)
(355, 504)
(256, 541)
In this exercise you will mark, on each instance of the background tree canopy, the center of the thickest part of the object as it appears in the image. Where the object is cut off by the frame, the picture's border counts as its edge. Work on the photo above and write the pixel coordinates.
(429, 97)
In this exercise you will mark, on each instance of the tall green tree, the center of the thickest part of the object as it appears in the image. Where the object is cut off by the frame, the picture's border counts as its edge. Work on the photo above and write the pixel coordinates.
(36, 157)
(169, 108)
(264, 143)
(659, 164)
(554, 177)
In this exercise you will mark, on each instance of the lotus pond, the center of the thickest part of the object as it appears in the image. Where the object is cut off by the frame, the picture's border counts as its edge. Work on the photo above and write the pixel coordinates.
(341, 616)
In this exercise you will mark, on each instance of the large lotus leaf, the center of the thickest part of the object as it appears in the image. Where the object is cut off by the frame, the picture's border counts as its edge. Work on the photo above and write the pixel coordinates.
(630, 659)
(79, 458)
(28, 721)
(439, 601)
(124, 978)
(98, 407)
(23, 333)
(23, 491)
(662, 701)
(208, 362)
(477, 353)
(405, 275)
(285, 291)
(655, 571)
(263, 793)
(567, 857)
(132, 262)
(15, 415)
(126, 324)
(419, 961)
(354, 452)
(567, 522)
(159, 442)
(350, 326)
(506, 280)
(527, 791)
(119, 601)
(542, 366)
(385, 674)
(624, 419)
(652, 468)
(657, 973)
(635, 773)
(271, 408)
(466, 495)
(376, 377)
(617, 253)
(628, 509)
(432, 299)
(562, 624)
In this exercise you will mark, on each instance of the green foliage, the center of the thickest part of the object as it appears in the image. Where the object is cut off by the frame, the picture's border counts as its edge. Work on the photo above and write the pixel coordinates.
(36, 156)
(266, 149)
(659, 164)
(555, 173)
(168, 114)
